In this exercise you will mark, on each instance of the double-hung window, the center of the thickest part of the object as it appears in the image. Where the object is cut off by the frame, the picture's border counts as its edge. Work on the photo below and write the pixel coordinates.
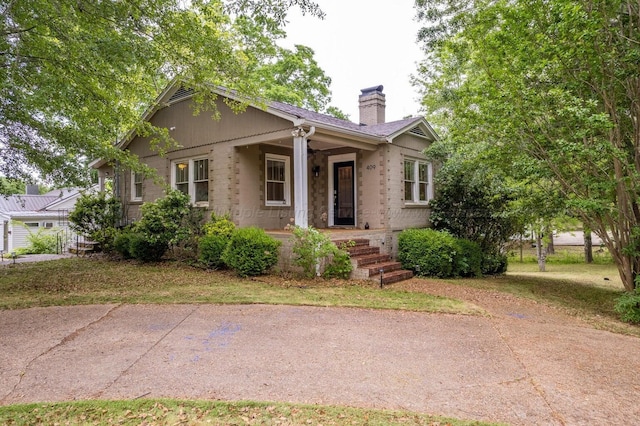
(418, 188)
(136, 186)
(191, 176)
(277, 180)
(201, 180)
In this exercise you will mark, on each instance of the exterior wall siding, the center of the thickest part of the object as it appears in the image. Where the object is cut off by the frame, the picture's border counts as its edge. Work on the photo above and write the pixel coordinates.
(222, 181)
(371, 189)
(399, 214)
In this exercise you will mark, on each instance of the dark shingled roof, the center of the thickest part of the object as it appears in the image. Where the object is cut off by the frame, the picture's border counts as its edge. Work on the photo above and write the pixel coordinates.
(378, 130)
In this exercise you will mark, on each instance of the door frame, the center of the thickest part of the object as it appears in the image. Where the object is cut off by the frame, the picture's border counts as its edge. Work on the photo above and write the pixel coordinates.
(332, 159)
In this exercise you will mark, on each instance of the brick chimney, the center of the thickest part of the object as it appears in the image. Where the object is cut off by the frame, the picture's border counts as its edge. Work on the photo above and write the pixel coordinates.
(32, 190)
(372, 105)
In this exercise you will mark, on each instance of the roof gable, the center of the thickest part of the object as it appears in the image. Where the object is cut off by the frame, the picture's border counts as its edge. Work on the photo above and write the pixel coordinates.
(175, 92)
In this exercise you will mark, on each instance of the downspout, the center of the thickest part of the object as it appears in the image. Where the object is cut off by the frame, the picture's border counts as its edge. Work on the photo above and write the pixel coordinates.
(300, 175)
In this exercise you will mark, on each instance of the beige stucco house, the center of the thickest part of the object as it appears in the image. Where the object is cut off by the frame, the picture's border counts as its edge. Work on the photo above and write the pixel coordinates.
(274, 164)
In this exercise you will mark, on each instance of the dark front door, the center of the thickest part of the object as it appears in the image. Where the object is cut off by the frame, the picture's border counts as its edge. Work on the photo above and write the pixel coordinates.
(343, 197)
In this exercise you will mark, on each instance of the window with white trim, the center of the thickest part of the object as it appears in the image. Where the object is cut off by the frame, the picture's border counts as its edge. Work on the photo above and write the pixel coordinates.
(47, 225)
(277, 180)
(201, 180)
(191, 176)
(418, 176)
(136, 186)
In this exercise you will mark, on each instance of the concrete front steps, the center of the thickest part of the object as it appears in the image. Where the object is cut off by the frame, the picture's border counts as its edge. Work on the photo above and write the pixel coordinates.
(83, 248)
(367, 262)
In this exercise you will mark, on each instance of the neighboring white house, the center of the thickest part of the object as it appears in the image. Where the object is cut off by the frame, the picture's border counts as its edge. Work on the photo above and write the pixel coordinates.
(24, 213)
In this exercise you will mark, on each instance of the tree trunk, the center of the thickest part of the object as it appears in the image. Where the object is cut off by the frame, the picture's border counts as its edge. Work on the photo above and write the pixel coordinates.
(550, 247)
(521, 251)
(588, 246)
(542, 257)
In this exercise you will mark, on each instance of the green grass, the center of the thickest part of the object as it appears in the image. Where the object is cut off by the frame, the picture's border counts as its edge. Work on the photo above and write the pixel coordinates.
(78, 281)
(579, 289)
(172, 412)
(562, 255)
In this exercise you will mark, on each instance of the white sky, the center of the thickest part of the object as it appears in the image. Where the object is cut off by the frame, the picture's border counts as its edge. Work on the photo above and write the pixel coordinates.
(363, 43)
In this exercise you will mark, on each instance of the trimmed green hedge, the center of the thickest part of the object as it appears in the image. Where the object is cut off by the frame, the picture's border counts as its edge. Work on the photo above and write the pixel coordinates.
(217, 235)
(251, 252)
(439, 254)
(427, 252)
(211, 248)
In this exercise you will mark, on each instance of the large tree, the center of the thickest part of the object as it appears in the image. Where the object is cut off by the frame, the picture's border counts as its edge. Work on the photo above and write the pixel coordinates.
(74, 75)
(552, 81)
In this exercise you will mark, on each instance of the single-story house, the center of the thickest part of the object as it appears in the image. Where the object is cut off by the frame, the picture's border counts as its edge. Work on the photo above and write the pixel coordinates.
(276, 164)
(28, 213)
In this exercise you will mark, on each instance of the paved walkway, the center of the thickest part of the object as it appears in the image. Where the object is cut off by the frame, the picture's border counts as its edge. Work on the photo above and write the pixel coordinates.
(520, 366)
(7, 260)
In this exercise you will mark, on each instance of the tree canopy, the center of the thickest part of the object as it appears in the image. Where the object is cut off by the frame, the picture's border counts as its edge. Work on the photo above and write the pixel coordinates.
(74, 76)
(552, 84)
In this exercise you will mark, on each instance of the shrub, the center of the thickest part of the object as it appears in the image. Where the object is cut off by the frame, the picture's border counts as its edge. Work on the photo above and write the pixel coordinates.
(340, 265)
(251, 252)
(146, 249)
(628, 306)
(122, 243)
(169, 220)
(40, 242)
(469, 259)
(310, 249)
(219, 225)
(474, 203)
(494, 263)
(428, 252)
(217, 234)
(211, 248)
(96, 216)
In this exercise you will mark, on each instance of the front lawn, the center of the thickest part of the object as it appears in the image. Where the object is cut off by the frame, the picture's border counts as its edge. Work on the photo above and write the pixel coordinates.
(81, 281)
(172, 412)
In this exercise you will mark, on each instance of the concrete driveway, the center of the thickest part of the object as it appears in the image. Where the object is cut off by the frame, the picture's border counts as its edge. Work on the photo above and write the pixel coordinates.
(517, 367)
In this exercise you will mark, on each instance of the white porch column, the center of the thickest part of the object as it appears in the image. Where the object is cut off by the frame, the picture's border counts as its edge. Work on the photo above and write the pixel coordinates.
(300, 176)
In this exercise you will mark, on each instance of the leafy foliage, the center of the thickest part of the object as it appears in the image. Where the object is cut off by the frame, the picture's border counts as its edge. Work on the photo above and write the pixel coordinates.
(474, 203)
(210, 249)
(316, 254)
(42, 241)
(494, 263)
(74, 74)
(433, 253)
(218, 232)
(551, 85)
(169, 220)
(11, 186)
(122, 243)
(469, 259)
(340, 265)
(145, 248)
(251, 252)
(628, 306)
(219, 225)
(427, 252)
(96, 215)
